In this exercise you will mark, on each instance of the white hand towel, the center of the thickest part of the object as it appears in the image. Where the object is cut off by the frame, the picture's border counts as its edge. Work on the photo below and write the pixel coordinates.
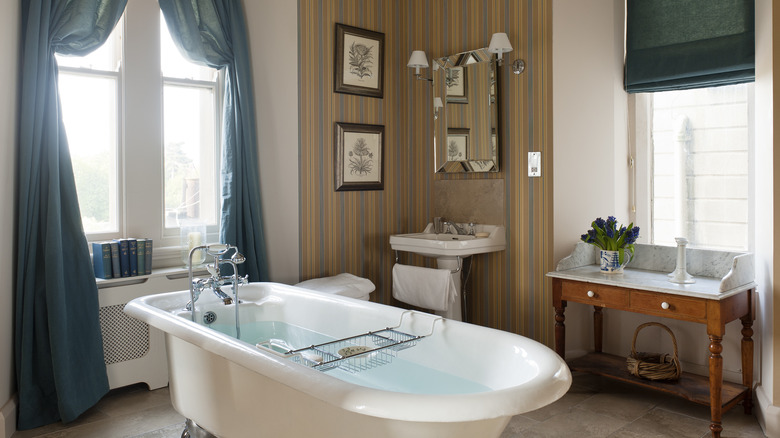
(423, 287)
(348, 284)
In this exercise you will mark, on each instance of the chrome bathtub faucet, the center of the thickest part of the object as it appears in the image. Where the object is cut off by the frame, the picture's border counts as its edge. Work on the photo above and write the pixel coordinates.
(216, 281)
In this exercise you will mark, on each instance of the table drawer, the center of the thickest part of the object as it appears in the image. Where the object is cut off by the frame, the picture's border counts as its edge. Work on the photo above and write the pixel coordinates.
(666, 305)
(595, 294)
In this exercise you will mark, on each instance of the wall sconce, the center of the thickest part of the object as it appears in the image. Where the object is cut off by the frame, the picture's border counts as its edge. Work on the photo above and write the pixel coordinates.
(417, 61)
(499, 44)
(437, 105)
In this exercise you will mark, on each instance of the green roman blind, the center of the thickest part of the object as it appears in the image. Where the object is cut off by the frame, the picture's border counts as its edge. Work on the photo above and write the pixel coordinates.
(682, 44)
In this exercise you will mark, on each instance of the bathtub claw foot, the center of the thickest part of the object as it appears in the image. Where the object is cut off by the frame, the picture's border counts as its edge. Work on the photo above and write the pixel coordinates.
(192, 430)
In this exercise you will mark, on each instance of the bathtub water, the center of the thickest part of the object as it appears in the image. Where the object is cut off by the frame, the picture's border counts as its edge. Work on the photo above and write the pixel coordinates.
(462, 380)
(398, 376)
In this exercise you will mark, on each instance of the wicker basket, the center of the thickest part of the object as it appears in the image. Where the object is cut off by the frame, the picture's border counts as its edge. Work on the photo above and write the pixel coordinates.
(653, 366)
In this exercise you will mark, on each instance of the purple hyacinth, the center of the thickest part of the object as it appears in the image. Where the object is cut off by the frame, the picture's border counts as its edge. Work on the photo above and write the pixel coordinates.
(633, 235)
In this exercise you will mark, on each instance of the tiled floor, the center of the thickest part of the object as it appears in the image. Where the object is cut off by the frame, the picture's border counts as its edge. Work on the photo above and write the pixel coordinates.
(593, 407)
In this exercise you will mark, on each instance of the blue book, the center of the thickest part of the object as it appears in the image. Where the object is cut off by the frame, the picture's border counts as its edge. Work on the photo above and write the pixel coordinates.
(115, 271)
(101, 259)
(124, 257)
(148, 259)
(133, 256)
(141, 255)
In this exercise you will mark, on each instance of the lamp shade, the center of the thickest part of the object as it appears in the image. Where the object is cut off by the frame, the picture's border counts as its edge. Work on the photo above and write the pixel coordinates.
(499, 43)
(437, 103)
(418, 60)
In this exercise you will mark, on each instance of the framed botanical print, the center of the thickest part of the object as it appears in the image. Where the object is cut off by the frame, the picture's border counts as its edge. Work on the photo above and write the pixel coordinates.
(359, 63)
(457, 85)
(457, 144)
(359, 155)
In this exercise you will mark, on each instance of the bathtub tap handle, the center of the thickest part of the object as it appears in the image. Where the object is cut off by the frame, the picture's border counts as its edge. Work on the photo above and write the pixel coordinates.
(197, 287)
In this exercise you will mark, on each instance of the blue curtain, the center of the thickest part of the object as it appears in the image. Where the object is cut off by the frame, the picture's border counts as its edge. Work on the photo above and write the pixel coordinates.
(213, 32)
(60, 371)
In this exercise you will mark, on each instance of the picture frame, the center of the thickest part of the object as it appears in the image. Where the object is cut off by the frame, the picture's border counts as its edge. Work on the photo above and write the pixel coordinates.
(359, 61)
(456, 81)
(457, 144)
(359, 156)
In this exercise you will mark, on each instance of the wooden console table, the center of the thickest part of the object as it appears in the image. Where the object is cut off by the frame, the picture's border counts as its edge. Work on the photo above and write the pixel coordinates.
(649, 293)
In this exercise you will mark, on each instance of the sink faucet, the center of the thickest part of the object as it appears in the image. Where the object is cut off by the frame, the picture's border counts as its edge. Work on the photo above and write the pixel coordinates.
(438, 223)
(216, 281)
(449, 225)
(458, 228)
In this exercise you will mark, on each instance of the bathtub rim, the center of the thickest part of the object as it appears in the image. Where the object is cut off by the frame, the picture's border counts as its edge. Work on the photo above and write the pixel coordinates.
(548, 386)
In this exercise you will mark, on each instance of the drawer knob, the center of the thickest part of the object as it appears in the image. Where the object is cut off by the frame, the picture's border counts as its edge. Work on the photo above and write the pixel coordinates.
(591, 294)
(664, 305)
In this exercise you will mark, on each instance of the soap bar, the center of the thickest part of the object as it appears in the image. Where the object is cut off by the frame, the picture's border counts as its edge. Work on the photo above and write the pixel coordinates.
(482, 234)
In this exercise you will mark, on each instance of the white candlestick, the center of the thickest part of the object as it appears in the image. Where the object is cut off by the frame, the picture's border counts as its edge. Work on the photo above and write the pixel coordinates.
(680, 274)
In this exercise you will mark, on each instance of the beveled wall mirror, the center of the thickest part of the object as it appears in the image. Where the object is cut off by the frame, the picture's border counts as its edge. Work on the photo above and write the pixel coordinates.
(465, 107)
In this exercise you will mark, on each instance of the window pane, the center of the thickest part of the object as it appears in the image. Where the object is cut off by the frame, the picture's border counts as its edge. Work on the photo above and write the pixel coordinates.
(190, 155)
(89, 109)
(701, 141)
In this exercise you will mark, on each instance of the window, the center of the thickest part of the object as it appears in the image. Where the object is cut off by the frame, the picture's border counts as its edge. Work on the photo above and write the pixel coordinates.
(190, 100)
(694, 148)
(144, 146)
(89, 92)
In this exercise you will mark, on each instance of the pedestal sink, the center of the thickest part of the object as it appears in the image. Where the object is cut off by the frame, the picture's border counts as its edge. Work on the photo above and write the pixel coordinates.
(450, 249)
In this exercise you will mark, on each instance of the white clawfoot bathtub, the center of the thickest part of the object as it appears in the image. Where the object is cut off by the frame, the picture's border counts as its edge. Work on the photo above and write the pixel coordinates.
(462, 380)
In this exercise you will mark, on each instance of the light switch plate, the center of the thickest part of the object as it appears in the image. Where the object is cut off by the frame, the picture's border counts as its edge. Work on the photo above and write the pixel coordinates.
(534, 164)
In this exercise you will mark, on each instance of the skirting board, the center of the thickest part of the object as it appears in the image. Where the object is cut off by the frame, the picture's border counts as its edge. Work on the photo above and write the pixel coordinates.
(8, 418)
(768, 414)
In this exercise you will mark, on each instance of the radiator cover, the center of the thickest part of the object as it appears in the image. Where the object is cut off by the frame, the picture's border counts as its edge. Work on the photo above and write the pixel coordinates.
(133, 351)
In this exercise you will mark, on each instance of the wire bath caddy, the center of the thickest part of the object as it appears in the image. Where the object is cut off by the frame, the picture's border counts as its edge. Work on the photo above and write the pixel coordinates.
(354, 353)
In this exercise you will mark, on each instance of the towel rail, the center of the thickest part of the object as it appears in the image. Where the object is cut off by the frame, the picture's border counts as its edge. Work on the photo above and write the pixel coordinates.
(452, 271)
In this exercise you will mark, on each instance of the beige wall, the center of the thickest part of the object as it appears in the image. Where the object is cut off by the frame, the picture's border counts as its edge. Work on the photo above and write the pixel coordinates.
(589, 113)
(764, 196)
(273, 35)
(9, 40)
(589, 132)
(775, 53)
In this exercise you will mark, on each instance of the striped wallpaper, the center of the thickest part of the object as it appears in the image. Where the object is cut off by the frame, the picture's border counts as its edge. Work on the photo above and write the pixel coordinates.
(349, 231)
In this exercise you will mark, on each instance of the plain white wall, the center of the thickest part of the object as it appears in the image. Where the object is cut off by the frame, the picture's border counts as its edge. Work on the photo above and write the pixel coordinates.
(591, 172)
(9, 43)
(765, 218)
(273, 34)
(589, 132)
(589, 118)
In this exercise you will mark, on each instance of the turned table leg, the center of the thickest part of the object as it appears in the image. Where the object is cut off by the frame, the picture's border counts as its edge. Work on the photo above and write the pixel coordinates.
(560, 330)
(747, 362)
(716, 381)
(598, 328)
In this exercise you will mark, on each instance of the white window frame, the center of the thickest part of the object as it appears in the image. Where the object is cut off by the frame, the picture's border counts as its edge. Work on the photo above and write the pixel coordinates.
(640, 111)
